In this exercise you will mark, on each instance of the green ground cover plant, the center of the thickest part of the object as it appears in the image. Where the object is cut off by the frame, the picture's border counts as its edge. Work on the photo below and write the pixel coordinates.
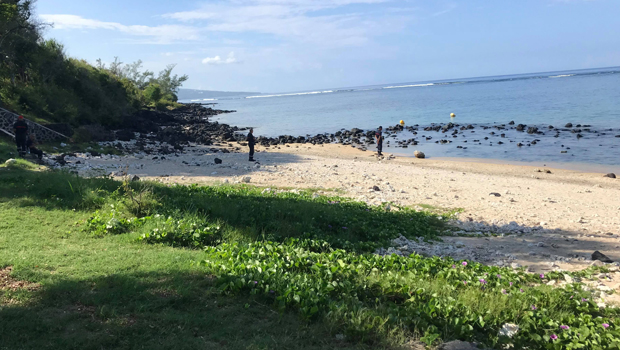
(198, 263)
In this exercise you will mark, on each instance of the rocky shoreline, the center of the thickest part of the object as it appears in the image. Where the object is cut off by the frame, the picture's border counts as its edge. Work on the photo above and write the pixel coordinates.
(190, 123)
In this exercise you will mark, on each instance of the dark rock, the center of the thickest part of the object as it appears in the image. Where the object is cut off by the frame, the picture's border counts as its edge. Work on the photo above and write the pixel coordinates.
(495, 194)
(568, 125)
(611, 175)
(521, 127)
(94, 154)
(512, 122)
(95, 133)
(125, 135)
(532, 130)
(135, 178)
(376, 188)
(217, 161)
(356, 131)
(601, 257)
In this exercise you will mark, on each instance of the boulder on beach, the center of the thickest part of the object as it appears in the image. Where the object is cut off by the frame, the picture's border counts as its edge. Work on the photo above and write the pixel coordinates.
(419, 154)
(601, 257)
(611, 175)
(217, 161)
(356, 131)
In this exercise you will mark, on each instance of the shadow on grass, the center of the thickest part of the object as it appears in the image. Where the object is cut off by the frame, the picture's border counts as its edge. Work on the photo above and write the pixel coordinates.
(175, 310)
(246, 212)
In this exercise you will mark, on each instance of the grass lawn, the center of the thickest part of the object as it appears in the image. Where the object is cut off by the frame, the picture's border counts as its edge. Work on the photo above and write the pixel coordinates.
(99, 264)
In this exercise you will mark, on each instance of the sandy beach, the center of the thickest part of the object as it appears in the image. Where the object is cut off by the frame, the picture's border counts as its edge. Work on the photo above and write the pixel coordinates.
(539, 217)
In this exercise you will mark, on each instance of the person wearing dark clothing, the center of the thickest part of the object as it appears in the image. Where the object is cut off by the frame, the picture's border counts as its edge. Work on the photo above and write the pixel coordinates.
(251, 141)
(21, 135)
(379, 139)
(31, 144)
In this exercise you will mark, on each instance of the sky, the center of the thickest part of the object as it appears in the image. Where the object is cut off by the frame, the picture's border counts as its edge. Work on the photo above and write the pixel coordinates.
(301, 45)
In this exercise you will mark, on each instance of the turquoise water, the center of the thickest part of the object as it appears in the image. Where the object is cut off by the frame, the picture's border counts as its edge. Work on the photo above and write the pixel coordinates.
(589, 97)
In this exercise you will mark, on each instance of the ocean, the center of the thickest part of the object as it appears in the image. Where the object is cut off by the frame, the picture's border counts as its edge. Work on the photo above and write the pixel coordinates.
(582, 97)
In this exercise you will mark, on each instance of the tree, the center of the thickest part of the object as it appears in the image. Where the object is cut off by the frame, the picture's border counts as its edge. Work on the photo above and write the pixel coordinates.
(170, 84)
(20, 34)
(153, 93)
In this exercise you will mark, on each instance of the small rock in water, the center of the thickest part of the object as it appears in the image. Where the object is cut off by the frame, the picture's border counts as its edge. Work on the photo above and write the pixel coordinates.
(217, 161)
(611, 175)
(601, 257)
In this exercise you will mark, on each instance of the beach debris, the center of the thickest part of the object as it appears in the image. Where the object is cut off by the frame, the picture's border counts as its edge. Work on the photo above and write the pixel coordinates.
(419, 154)
(611, 175)
(495, 194)
(601, 257)
(376, 188)
(10, 161)
(509, 330)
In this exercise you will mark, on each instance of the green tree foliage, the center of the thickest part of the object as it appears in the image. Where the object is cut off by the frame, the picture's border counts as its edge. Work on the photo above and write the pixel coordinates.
(169, 84)
(152, 93)
(39, 80)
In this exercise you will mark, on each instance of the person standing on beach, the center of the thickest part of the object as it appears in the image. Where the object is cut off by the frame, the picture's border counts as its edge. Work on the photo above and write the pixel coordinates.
(379, 139)
(251, 142)
(21, 135)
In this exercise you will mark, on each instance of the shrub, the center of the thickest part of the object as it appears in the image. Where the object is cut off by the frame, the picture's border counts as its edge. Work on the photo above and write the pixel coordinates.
(152, 93)
(192, 232)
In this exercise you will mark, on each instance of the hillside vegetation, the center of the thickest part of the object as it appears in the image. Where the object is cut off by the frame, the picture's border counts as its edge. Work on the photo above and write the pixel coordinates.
(38, 79)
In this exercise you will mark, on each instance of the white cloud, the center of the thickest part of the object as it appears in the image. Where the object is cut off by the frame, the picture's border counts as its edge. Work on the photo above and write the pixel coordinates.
(218, 60)
(304, 21)
(450, 8)
(294, 19)
(160, 34)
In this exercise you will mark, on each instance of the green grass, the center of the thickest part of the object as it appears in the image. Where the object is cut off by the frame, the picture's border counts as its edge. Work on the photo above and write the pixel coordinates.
(235, 268)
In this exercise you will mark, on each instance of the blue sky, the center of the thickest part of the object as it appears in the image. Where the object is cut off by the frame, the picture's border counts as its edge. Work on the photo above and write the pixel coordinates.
(293, 45)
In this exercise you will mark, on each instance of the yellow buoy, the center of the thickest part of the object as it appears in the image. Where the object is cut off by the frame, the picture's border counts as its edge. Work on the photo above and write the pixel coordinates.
(452, 115)
(402, 122)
